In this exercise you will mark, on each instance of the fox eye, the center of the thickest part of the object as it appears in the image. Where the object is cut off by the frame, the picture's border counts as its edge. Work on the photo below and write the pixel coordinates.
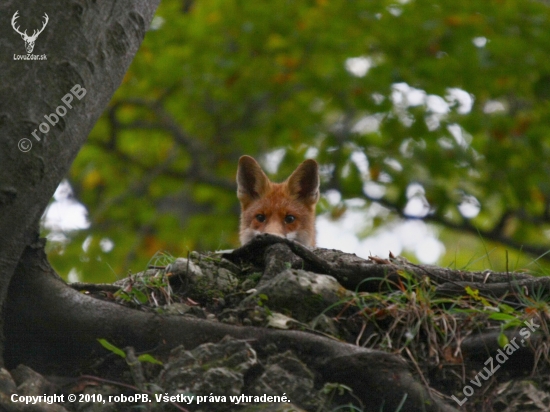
(260, 218)
(289, 219)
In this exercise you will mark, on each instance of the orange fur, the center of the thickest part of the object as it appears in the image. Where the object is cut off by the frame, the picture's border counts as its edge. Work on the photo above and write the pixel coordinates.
(284, 209)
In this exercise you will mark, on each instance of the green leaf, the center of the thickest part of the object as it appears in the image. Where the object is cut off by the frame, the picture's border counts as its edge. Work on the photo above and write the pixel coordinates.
(112, 348)
(502, 340)
(502, 316)
(148, 358)
(139, 296)
(506, 308)
(474, 294)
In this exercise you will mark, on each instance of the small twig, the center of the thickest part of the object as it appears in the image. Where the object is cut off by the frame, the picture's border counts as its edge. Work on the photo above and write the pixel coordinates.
(411, 357)
(135, 367)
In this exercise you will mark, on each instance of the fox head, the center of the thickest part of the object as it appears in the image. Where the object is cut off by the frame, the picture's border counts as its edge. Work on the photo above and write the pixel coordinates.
(284, 209)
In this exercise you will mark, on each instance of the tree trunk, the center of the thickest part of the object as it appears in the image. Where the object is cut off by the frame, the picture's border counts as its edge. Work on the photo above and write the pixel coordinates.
(88, 46)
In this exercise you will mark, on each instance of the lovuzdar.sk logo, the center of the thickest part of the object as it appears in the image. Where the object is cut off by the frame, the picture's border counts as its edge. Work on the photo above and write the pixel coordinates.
(29, 40)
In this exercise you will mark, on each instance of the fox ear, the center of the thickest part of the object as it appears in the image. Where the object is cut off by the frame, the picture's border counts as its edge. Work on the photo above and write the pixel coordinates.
(252, 182)
(304, 182)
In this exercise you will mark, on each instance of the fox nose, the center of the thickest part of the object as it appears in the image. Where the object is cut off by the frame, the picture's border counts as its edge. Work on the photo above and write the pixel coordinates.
(275, 229)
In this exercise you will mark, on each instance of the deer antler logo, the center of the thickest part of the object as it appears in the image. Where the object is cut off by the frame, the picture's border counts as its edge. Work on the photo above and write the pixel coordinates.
(29, 40)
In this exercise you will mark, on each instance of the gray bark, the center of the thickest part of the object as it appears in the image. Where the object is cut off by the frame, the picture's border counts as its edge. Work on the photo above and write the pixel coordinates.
(89, 44)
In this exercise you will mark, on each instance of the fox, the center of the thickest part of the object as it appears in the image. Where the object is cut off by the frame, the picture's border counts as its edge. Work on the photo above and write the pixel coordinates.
(284, 209)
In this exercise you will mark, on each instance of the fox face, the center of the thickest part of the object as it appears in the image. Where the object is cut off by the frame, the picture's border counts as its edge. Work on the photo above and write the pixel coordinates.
(284, 209)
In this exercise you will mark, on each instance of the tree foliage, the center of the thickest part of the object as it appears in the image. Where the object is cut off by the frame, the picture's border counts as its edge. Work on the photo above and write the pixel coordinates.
(450, 98)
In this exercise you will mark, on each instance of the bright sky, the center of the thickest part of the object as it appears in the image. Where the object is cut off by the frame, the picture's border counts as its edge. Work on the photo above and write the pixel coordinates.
(412, 236)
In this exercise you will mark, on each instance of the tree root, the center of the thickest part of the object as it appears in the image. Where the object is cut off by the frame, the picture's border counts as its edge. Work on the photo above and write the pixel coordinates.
(49, 324)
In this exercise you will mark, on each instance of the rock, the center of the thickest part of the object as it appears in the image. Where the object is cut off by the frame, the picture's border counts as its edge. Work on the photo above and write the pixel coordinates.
(229, 373)
(228, 361)
(285, 374)
(304, 294)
